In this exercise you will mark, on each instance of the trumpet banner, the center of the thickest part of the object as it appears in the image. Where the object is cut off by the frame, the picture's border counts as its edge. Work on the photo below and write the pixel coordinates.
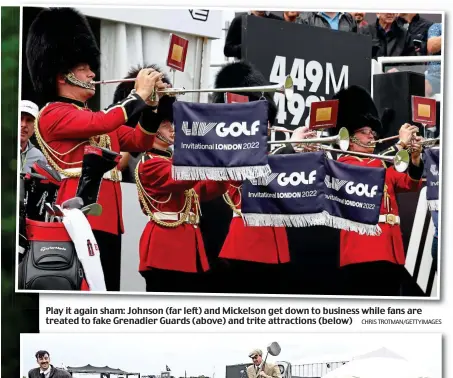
(220, 141)
(311, 190)
(432, 177)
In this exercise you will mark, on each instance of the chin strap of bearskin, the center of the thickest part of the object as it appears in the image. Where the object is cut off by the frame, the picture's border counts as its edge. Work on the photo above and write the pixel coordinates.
(163, 139)
(354, 140)
(71, 79)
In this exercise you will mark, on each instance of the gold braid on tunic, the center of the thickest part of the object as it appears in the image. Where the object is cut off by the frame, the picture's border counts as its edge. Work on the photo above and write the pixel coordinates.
(146, 199)
(103, 141)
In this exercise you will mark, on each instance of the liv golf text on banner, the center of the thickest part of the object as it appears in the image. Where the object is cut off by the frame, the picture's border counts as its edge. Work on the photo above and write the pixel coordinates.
(353, 196)
(432, 177)
(320, 61)
(309, 190)
(220, 141)
(290, 196)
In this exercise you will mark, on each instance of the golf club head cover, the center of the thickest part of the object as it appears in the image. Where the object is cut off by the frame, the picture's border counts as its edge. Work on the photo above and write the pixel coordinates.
(38, 190)
(41, 167)
(96, 162)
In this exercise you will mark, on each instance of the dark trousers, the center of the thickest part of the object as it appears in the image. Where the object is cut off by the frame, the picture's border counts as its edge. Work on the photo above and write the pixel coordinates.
(248, 277)
(380, 278)
(169, 281)
(110, 252)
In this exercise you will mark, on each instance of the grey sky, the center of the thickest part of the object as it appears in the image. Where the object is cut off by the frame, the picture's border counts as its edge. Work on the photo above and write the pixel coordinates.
(206, 354)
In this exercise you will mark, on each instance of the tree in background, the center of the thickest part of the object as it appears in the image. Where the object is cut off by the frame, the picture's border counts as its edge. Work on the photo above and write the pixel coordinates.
(19, 312)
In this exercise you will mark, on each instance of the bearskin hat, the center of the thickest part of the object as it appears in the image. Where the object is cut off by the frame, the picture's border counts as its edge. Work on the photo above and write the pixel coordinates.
(356, 109)
(243, 74)
(58, 40)
(165, 107)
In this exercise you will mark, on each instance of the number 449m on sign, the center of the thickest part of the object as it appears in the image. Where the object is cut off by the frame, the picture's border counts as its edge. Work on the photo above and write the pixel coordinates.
(306, 77)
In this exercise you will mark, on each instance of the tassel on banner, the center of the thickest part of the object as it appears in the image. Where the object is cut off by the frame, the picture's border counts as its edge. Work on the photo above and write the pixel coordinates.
(433, 205)
(348, 225)
(219, 173)
(307, 220)
(285, 220)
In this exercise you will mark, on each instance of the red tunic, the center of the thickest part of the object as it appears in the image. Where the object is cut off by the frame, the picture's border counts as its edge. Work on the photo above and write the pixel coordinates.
(66, 126)
(258, 244)
(388, 246)
(172, 248)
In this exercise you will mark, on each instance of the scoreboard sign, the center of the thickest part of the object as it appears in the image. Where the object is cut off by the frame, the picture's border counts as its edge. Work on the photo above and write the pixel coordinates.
(320, 61)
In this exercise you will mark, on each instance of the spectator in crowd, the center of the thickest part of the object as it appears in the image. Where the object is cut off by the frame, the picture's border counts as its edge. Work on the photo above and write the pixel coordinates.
(417, 28)
(389, 38)
(434, 46)
(45, 369)
(362, 25)
(359, 17)
(29, 154)
(290, 16)
(232, 47)
(331, 20)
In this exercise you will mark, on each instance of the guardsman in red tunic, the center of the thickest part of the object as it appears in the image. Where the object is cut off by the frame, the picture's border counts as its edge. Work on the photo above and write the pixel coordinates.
(251, 253)
(62, 56)
(172, 253)
(372, 265)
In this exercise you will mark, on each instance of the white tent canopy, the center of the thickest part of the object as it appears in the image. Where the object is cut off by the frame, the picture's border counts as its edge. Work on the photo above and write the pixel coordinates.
(378, 367)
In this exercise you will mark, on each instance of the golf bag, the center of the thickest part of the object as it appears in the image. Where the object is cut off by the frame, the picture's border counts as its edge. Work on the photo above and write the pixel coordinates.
(35, 189)
(51, 261)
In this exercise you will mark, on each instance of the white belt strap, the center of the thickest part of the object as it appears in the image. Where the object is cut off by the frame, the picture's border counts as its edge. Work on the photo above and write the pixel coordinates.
(236, 215)
(172, 216)
(390, 219)
(106, 176)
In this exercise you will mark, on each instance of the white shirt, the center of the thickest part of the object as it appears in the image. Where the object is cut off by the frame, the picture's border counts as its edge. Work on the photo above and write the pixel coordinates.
(46, 372)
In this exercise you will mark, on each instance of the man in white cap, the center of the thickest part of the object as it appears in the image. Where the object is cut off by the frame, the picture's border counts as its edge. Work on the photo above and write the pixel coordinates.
(260, 368)
(29, 154)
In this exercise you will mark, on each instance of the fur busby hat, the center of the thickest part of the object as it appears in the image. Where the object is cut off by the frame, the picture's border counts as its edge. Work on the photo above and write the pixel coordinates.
(165, 107)
(243, 74)
(356, 109)
(58, 40)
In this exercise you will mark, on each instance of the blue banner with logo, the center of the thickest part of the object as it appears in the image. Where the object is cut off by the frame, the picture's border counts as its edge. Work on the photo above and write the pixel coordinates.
(432, 177)
(220, 141)
(353, 196)
(309, 189)
(290, 196)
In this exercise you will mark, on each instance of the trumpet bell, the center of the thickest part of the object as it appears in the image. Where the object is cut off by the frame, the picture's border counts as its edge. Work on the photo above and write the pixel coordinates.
(343, 139)
(288, 87)
(401, 160)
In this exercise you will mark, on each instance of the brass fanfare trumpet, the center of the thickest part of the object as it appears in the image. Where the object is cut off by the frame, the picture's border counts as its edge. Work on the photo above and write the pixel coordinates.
(342, 139)
(400, 160)
(287, 88)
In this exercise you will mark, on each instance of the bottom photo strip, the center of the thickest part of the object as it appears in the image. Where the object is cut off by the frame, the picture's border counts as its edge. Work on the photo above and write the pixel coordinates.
(232, 355)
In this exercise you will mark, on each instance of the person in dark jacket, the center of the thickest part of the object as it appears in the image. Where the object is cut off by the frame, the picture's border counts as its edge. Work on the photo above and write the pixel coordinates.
(291, 16)
(330, 20)
(362, 25)
(389, 38)
(233, 39)
(417, 28)
(45, 369)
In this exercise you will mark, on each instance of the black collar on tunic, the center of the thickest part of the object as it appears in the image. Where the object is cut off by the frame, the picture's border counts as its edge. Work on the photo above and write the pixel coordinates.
(166, 153)
(68, 100)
